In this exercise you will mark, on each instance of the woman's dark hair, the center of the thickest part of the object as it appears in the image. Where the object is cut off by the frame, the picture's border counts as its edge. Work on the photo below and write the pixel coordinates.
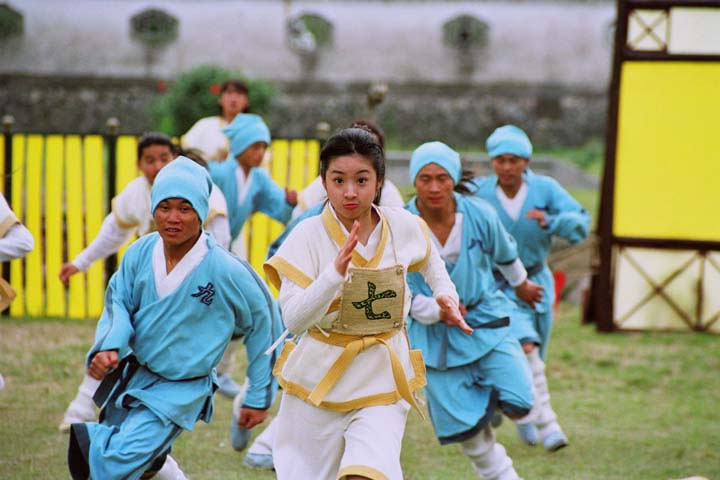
(154, 138)
(196, 156)
(374, 129)
(466, 185)
(354, 140)
(240, 87)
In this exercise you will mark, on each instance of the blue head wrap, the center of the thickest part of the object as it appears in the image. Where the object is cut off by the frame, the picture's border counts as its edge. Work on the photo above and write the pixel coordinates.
(508, 139)
(183, 178)
(244, 130)
(438, 153)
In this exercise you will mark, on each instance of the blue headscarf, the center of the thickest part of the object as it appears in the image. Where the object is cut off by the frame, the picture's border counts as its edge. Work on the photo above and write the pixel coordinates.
(438, 153)
(183, 178)
(508, 139)
(244, 130)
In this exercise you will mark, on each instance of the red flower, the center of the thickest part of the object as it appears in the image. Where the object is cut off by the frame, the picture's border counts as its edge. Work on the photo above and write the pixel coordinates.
(161, 86)
(215, 89)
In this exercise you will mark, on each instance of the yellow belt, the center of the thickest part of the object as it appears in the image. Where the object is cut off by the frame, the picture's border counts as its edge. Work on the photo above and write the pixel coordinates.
(353, 345)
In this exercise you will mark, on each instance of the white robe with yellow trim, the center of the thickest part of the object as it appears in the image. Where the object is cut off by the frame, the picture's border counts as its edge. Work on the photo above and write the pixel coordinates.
(207, 136)
(131, 215)
(16, 241)
(304, 270)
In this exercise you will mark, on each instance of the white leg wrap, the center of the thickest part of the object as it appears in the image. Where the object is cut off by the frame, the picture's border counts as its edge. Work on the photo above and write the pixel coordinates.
(88, 386)
(82, 408)
(170, 471)
(227, 362)
(238, 400)
(263, 444)
(542, 414)
(489, 458)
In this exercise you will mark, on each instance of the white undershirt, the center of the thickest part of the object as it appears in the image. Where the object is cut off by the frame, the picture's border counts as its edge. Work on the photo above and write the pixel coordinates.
(425, 309)
(243, 184)
(514, 205)
(167, 283)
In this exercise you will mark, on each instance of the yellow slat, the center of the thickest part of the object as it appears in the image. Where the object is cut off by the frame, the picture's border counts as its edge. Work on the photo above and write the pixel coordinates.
(17, 308)
(259, 229)
(298, 162)
(94, 214)
(125, 161)
(77, 304)
(313, 161)
(126, 170)
(34, 300)
(54, 159)
(279, 172)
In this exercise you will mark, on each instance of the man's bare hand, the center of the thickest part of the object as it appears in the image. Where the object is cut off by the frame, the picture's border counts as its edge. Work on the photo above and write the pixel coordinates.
(529, 292)
(101, 363)
(249, 417)
(538, 215)
(67, 271)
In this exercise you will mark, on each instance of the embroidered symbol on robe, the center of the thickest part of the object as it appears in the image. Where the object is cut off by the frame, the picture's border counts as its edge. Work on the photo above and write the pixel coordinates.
(367, 303)
(478, 242)
(205, 293)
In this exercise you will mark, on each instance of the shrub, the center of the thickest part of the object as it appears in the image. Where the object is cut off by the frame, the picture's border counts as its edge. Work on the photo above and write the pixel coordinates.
(194, 95)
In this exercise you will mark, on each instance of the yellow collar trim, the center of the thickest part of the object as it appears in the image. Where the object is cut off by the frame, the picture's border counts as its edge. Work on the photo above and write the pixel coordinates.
(332, 225)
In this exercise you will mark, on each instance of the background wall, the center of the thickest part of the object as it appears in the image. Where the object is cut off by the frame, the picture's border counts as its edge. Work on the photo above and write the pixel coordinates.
(541, 64)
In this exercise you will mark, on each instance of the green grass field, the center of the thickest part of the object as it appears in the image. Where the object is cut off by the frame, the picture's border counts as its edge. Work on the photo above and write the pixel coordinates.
(635, 406)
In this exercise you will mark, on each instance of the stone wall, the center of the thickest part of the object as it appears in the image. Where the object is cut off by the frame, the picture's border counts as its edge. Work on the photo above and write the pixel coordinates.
(462, 115)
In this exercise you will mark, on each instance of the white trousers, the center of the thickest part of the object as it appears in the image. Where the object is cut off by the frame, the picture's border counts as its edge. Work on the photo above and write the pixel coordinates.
(322, 444)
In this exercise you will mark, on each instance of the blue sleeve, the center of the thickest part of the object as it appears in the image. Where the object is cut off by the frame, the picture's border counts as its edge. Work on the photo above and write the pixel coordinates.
(567, 219)
(498, 243)
(271, 199)
(115, 329)
(258, 321)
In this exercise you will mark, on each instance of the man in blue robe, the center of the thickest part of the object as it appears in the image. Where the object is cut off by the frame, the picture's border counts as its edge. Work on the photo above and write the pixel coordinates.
(533, 208)
(469, 376)
(169, 313)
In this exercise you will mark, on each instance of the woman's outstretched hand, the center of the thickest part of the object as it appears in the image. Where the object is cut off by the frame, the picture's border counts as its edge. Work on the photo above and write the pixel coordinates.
(450, 313)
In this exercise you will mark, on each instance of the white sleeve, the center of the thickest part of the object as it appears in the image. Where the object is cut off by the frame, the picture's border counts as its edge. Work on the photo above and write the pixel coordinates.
(425, 309)
(514, 273)
(220, 229)
(17, 242)
(304, 307)
(391, 196)
(437, 277)
(108, 241)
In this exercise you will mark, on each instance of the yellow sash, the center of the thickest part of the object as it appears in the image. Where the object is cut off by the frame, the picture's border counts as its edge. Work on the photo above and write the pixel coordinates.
(353, 345)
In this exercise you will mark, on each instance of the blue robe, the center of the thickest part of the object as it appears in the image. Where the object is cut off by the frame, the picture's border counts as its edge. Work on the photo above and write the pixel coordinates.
(469, 375)
(169, 349)
(565, 218)
(264, 195)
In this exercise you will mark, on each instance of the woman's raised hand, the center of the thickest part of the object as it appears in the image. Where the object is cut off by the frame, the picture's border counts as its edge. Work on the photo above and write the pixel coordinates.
(345, 253)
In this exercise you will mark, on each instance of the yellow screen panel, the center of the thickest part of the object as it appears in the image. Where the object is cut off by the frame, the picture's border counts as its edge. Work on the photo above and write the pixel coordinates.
(667, 167)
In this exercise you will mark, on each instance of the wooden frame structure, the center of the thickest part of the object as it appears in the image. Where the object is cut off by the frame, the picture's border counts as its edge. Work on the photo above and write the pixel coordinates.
(659, 250)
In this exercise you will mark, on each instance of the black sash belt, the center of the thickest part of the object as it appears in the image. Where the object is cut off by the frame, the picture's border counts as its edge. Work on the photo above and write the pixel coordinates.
(117, 377)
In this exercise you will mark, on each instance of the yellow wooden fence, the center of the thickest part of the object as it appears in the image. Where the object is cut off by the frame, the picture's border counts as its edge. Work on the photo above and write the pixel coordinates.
(59, 193)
